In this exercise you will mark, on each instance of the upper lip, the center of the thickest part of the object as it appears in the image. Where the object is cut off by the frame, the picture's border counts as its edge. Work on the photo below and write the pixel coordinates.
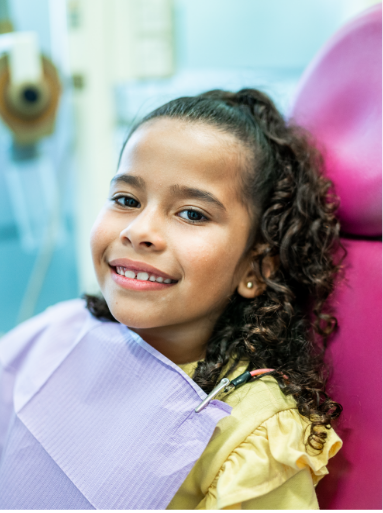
(139, 267)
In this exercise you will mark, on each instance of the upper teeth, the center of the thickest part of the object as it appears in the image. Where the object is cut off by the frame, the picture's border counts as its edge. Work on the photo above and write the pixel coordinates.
(143, 276)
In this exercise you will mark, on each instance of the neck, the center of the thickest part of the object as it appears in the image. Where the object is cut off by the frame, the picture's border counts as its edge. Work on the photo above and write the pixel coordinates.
(181, 344)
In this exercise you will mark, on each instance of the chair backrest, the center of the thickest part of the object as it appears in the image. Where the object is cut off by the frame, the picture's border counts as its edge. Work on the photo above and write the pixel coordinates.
(339, 101)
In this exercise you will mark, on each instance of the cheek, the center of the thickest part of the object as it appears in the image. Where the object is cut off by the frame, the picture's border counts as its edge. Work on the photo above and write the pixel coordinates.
(211, 261)
(101, 236)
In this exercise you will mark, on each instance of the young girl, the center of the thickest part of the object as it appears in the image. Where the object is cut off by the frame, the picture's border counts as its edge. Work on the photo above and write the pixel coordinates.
(215, 248)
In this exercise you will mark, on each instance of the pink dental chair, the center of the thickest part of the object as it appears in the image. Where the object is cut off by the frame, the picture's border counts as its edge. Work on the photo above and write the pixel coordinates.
(339, 101)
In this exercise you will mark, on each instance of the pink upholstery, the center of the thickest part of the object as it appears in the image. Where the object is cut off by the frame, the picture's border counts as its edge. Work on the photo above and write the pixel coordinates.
(339, 101)
(355, 478)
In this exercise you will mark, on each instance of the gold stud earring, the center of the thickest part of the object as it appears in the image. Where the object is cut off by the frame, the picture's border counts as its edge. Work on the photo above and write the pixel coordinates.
(249, 284)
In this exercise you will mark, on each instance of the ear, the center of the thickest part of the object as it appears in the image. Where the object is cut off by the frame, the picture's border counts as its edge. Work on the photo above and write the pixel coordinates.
(251, 284)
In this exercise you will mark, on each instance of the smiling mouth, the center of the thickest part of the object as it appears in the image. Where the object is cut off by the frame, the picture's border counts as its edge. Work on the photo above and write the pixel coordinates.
(142, 275)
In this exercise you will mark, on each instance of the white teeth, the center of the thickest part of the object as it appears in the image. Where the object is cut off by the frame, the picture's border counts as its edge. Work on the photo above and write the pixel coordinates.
(142, 276)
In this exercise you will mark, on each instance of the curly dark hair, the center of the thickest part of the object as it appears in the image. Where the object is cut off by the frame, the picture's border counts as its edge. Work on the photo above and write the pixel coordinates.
(293, 206)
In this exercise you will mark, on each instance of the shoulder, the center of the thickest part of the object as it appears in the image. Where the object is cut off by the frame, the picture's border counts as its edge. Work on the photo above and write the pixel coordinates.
(269, 456)
(253, 404)
(257, 449)
(63, 320)
(268, 431)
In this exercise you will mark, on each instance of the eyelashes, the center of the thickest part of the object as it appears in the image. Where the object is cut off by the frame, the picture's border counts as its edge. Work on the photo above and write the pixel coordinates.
(190, 215)
(127, 201)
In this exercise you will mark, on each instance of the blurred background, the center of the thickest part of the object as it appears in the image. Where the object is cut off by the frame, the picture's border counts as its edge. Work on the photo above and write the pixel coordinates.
(76, 74)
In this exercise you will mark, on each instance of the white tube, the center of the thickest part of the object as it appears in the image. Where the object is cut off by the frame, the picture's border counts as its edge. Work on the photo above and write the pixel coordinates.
(6, 41)
(24, 59)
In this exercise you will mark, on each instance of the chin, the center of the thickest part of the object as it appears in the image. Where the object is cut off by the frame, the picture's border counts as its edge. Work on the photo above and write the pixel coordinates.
(133, 317)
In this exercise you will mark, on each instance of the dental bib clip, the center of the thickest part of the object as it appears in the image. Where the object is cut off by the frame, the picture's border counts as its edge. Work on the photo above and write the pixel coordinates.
(227, 386)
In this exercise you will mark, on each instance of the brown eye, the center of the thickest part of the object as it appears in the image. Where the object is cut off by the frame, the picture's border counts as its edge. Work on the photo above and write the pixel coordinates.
(192, 215)
(127, 201)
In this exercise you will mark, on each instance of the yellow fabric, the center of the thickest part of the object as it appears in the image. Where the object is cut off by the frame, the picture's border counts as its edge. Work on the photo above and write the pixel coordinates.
(256, 458)
(295, 493)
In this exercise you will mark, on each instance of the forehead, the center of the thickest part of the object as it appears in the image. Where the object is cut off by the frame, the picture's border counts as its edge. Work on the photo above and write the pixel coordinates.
(192, 151)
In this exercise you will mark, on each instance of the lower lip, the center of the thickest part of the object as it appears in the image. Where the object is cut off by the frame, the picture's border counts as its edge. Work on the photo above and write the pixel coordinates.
(134, 284)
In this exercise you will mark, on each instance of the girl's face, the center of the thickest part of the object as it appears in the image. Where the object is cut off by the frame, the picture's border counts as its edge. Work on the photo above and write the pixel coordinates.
(168, 246)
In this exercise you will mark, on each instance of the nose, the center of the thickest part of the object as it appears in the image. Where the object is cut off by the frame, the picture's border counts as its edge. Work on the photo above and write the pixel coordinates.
(144, 232)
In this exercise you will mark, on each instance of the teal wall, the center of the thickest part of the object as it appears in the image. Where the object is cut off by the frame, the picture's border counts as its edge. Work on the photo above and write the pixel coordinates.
(253, 33)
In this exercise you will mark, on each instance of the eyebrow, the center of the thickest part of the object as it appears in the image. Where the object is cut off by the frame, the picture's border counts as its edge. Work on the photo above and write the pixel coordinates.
(179, 190)
(192, 192)
(136, 181)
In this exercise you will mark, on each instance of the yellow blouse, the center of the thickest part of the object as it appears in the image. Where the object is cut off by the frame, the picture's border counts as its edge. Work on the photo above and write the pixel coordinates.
(256, 458)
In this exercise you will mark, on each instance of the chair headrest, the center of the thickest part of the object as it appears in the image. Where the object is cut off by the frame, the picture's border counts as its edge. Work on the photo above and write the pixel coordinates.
(339, 100)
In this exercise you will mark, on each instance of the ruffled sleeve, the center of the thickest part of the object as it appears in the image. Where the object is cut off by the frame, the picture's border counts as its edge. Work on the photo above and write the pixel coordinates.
(268, 460)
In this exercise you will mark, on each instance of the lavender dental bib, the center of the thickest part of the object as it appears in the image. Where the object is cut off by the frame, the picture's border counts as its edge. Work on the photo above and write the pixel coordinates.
(92, 417)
